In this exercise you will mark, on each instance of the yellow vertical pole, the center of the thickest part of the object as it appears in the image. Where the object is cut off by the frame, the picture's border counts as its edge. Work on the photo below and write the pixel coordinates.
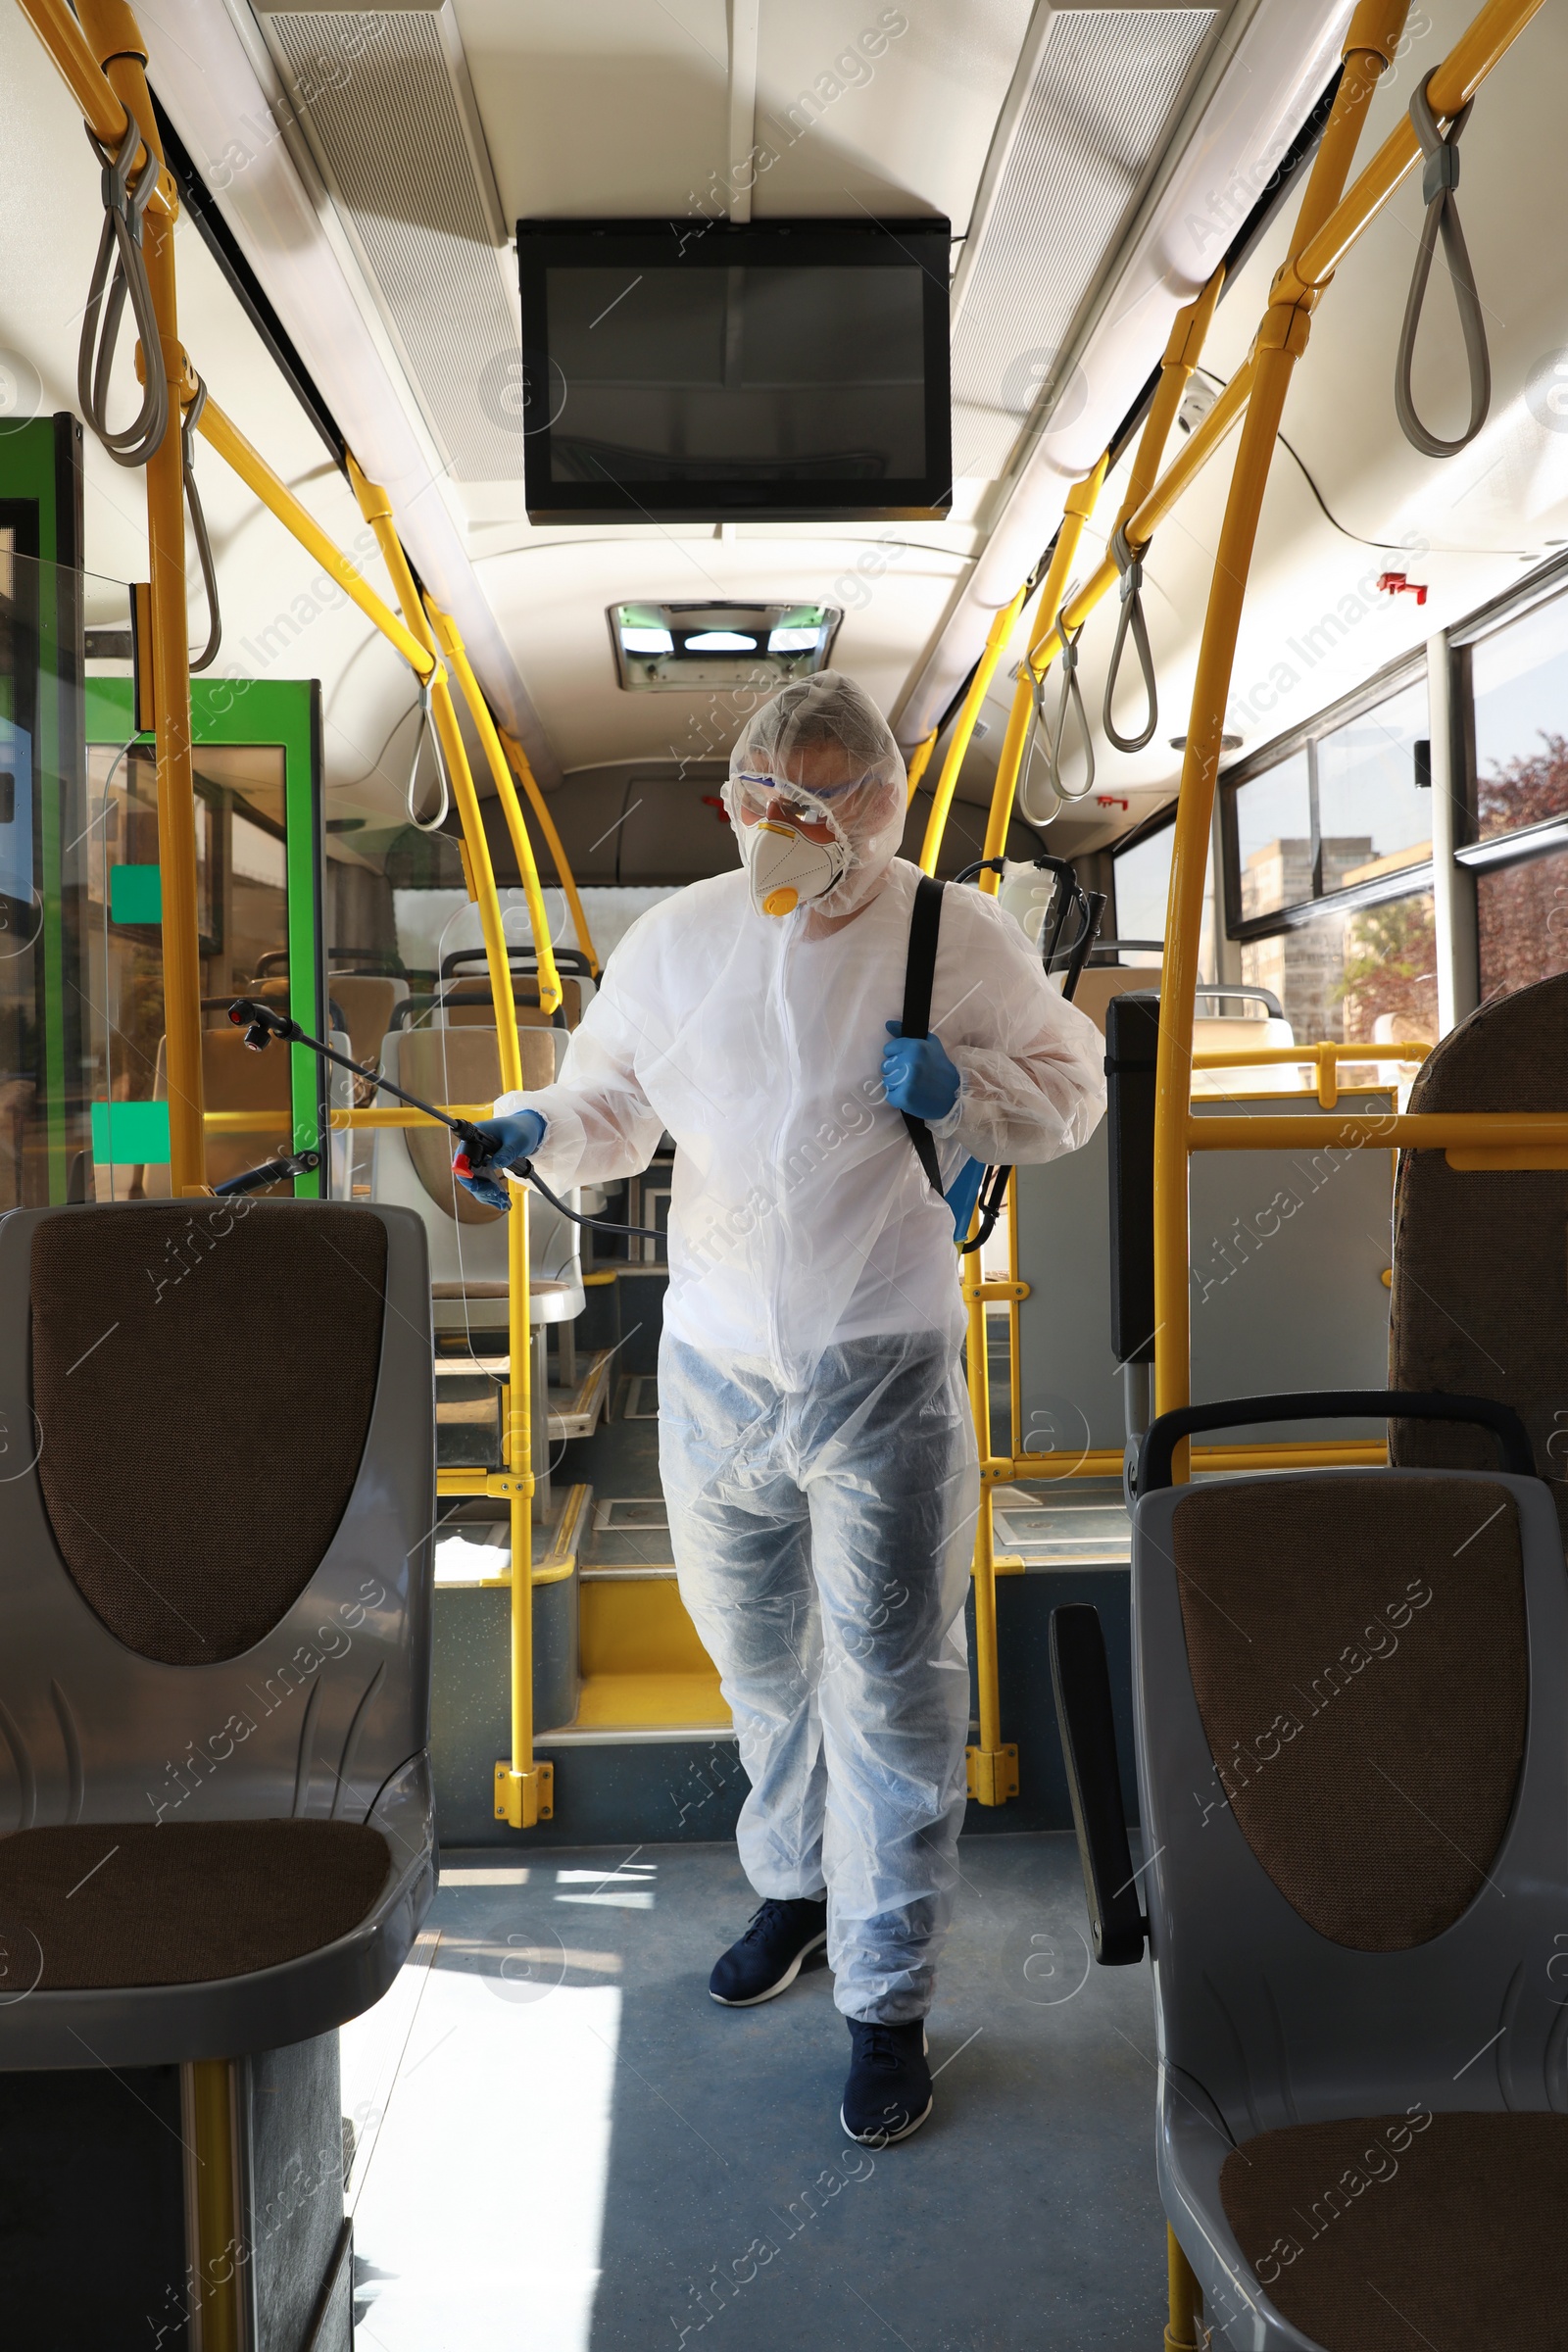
(1184, 2332)
(1080, 505)
(995, 645)
(1014, 1336)
(993, 1768)
(456, 653)
(116, 43)
(1280, 339)
(919, 763)
(212, 2216)
(547, 826)
(523, 1787)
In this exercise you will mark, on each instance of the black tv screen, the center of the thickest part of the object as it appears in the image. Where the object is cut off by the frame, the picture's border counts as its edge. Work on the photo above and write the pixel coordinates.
(695, 370)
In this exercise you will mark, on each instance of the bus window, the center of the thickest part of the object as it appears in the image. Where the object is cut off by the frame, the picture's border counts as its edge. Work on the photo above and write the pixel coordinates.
(1519, 686)
(1373, 814)
(1273, 820)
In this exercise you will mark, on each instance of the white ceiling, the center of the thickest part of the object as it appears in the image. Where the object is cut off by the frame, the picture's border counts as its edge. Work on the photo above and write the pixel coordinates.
(611, 107)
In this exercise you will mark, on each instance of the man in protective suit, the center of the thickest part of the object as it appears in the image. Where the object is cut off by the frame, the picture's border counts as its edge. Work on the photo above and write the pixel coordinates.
(816, 1447)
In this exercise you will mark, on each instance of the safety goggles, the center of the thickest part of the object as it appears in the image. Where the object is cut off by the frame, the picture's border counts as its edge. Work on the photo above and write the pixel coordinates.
(759, 794)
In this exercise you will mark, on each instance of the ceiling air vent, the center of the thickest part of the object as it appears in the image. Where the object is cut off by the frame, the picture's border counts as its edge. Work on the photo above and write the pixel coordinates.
(1087, 120)
(387, 109)
(684, 648)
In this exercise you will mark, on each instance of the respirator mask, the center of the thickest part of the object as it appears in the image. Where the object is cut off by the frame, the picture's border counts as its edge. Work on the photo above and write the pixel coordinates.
(785, 867)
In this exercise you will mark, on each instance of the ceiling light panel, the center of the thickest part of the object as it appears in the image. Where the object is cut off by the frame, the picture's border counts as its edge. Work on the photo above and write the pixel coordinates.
(386, 105)
(1070, 160)
(684, 648)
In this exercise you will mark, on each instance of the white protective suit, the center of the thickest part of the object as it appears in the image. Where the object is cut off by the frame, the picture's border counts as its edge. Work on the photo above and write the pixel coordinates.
(817, 1448)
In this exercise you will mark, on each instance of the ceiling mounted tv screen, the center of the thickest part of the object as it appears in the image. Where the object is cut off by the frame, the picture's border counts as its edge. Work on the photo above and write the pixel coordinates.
(699, 371)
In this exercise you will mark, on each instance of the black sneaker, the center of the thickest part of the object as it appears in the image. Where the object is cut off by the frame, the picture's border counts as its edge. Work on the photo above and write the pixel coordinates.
(767, 1958)
(888, 2094)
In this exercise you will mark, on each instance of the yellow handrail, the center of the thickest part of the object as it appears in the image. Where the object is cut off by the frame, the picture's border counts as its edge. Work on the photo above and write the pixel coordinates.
(110, 35)
(917, 765)
(547, 826)
(995, 645)
(523, 1787)
(1327, 1056)
(1327, 222)
(104, 107)
(993, 1768)
(279, 500)
(1282, 336)
(1080, 505)
(452, 645)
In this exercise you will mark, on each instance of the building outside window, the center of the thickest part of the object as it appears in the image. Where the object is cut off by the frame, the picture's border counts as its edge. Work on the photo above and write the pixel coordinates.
(1517, 708)
(1325, 836)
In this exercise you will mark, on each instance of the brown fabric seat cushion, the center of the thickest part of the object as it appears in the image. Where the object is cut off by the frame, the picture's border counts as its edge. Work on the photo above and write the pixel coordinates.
(462, 1066)
(123, 1903)
(204, 1376)
(1359, 1655)
(1481, 1258)
(1395, 2231)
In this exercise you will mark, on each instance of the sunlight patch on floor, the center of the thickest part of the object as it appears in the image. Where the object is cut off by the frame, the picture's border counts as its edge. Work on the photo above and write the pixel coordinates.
(467, 2239)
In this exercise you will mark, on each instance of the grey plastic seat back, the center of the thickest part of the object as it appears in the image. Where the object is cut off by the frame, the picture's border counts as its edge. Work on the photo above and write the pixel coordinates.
(413, 1167)
(215, 1502)
(1478, 1270)
(1362, 1911)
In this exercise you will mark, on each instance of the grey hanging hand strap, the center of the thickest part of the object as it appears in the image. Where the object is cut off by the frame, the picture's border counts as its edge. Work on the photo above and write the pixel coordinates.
(1071, 696)
(198, 523)
(1131, 617)
(119, 251)
(1439, 181)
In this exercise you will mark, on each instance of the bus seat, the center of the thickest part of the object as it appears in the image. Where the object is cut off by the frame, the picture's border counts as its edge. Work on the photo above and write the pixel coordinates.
(1215, 1034)
(216, 1656)
(1478, 1256)
(363, 1004)
(1098, 983)
(413, 1167)
(1287, 1289)
(368, 1001)
(473, 1007)
(233, 1078)
(1349, 1692)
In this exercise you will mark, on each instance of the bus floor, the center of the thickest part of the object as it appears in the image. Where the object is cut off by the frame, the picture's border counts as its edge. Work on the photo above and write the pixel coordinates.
(562, 2144)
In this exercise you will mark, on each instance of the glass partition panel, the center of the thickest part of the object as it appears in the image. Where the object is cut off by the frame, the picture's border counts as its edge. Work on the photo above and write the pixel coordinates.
(1519, 686)
(44, 1104)
(1143, 889)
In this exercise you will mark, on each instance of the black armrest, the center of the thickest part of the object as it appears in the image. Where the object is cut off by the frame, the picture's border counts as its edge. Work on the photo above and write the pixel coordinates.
(1321, 1404)
(1081, 1681)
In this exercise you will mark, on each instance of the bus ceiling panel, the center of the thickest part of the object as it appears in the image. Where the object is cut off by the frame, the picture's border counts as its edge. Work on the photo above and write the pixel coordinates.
(281, 616)
(1350, 505)
(1090, 111)
(1225, 129)
(550, 599)
(624, 111)
(259, 146)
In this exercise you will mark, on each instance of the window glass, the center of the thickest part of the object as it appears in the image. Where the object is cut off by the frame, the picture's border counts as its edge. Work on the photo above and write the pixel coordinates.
(1522, 919)
(1369, 975)
(1371, 812)
(1273, 817)
(1519, 681)
(1143, 889)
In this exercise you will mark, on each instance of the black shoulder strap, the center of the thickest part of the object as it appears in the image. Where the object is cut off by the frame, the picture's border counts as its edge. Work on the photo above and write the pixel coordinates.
(925, 921)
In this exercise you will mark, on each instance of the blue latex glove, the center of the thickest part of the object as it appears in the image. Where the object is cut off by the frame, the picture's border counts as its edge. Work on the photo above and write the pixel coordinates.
(510, 1140)
(917, 1075)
